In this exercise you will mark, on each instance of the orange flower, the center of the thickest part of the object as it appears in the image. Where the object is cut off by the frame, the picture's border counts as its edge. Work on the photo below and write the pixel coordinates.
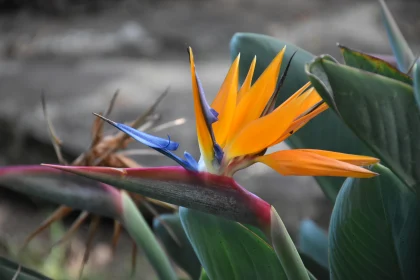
(235, 131)
(247, 124)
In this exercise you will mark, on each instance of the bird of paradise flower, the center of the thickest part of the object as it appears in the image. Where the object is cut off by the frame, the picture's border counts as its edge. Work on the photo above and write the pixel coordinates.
(233, 133)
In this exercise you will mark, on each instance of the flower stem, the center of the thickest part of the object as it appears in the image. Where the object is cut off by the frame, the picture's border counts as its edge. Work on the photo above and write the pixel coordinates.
(143, 236)
(285, 249)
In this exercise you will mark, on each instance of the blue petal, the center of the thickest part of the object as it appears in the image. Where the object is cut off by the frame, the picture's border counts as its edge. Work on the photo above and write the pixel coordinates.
(147, 139)
(191, 160)
(210, 117)
(187, 164)
(218, 152)
(209, 113)
(161, 145)
(214, 112)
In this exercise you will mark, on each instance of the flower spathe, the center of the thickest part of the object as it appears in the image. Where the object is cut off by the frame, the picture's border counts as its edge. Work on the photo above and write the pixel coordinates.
(241, 123)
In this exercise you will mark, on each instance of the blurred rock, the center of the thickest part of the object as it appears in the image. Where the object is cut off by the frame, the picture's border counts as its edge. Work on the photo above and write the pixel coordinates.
(57, 7)
(129, 39)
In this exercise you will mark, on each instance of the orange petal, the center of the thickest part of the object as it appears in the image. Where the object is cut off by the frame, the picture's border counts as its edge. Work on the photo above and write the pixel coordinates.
(303, 163)
(253, 103)
(203, 134)
(219, 100)
(246, 85)
(349, 158)
(225, 103)
(312, 99)
(301, 94)
(302, 121)
(296, 94)
(264, 132)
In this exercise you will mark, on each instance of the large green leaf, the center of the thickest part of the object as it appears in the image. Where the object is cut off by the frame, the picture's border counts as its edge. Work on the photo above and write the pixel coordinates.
(317, 270)
(313, 241)
(325, 131)
(380, 110)
(416, 76)
(204, 275)
(228, 250)
(61, 188)
(140, 232)
(375, 230)
(9, 269)
(399, 45)
(182, 253)
(373, 64)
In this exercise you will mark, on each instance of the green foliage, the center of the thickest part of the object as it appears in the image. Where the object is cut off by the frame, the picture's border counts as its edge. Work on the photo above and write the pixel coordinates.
(316, 270)
(399, 45)
(375, 229)
(372, 64)
(313, 242)
(380, 110)
(61, 188)
(203, 275)
(416, 75)
(182, 253)
(9, 270)
(141, 233)
(229, 250)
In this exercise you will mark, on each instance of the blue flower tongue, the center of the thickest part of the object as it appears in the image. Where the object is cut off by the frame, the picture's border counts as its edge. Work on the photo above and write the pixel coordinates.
(142, 137)
(210, 116)
(164, 146)
(191, 161)
(209, 113)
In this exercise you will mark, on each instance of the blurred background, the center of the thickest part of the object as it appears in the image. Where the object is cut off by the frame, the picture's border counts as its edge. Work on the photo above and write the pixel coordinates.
(80, 52)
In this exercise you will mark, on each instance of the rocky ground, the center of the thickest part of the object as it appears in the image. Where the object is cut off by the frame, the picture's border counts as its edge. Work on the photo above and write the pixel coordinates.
(138, 47)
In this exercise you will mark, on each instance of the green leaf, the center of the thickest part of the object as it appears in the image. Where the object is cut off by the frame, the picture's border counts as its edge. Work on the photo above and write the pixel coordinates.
(62, 188)
(386, 57)
(375, 229)
(416, 78)
(285, 249)
(313, 241)
(373, 64)
(380, 110)
(312, 135)
(203, 275)
(139, 230)
(8, 270)
(229, 250)
(399, 45)
(317, 270)
(183, 253)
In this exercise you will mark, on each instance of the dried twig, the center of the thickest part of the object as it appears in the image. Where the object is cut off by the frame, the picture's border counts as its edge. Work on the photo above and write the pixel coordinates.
(56, 142)
(89, 242)
(73, 228)
(58, 214)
